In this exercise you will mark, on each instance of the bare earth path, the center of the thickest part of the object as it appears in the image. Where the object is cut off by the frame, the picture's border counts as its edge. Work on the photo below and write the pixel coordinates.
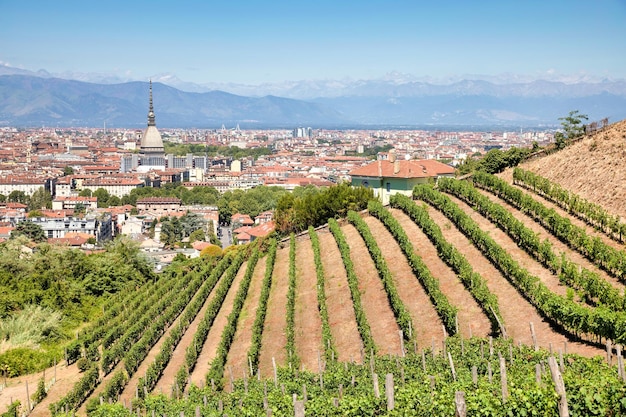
(516, 311)
(15, 390)
(308, 323)
(165, 383)
(426, 323)
(550, 280)
(557, 246)
(215, 334)
(469, 312)
(373, 296)
(274, 339)
(237, 355)
(341, 317)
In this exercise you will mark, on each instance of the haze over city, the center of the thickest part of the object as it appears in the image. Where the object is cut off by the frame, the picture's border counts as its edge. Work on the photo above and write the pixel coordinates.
(253, 42)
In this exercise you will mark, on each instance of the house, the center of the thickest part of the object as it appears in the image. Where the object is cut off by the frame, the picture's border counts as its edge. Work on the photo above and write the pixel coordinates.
(237, 220)
(391, 176)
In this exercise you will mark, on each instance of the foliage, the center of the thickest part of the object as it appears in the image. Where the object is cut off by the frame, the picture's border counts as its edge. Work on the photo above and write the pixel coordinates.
(234, 152)
(29, 229)
(259, 321)
(21, 361)
(211, 251)
(30, 326)
(292, 356)
(330, 351)
(592, 213)
(14, 410)
(577, 319)
(447, 312)
(296, 213)
(403, 318)
(353, 284)
(251, 202)
(40, 393)
(473, 281)
(40, 199)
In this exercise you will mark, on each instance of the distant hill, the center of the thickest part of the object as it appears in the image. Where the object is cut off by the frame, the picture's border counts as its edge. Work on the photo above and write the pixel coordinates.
(592, 168)
(34, 101)
(36, 98)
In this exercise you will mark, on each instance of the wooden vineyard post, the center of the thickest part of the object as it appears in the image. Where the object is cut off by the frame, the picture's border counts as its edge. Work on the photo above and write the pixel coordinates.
(27, 397)
(475, 376)
(298, 407)
(401, 334)
(559, 386)
(452, 366)
(460, 408)
(503, 382)
(375, 382)
(275, 373)
(538, 374)
(389, 392)
(534, 336)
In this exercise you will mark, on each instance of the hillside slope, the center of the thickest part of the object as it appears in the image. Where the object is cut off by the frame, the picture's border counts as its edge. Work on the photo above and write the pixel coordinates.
(592, 168)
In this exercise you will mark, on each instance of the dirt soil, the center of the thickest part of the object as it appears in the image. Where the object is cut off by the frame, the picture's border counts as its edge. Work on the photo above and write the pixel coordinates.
(238, 353)
(16, 388)
(472, 319)
(373, 296)
(516, 312)
(164, 383)
(274, 339)
(343, 327)
(557, 246)
(308, 323)
(550, 280)
(215, 334)
(593, 168)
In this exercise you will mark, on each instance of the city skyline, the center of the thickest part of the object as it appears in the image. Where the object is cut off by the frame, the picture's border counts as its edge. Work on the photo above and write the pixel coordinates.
(252, 42)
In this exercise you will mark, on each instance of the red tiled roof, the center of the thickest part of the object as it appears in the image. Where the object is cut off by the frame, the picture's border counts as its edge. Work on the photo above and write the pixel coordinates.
(407, 169)
(262, 230)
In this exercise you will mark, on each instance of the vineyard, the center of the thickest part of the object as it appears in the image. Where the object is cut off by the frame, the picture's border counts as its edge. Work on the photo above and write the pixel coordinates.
(483, 297)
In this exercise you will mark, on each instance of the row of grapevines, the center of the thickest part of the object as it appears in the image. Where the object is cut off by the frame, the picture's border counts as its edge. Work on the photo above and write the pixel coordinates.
(195, 348)
(115, 314)
(111, 356)
(403, 318)
(446, 311)
(327, 337)
(353, 284)
(591, 213)
(157, 327)
(591, 285)
(472, 280)
(116, 311)
(261, 312)
(606, 257)
(216, 371)
(83, 388)
(80, 391)
(424, 386)
(573, 317)
(292, 356)
(156, 368)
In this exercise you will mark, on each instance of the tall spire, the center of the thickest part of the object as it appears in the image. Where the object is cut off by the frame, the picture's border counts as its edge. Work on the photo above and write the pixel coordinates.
(151, 121)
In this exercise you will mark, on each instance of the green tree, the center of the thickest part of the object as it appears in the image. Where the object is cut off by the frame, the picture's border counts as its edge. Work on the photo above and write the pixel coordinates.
(29, 229)
(40, 199)
(68, 170)
(103, 197)
(573, 124)
(18, 197)
(85, 192)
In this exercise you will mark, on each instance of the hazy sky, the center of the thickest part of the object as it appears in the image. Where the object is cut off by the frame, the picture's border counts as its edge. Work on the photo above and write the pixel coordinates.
(270, 41)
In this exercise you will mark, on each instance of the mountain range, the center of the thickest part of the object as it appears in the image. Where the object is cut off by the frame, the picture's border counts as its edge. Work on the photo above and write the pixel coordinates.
(38, 98)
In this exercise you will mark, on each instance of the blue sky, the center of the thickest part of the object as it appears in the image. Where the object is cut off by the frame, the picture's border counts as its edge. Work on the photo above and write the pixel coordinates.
(272, 41)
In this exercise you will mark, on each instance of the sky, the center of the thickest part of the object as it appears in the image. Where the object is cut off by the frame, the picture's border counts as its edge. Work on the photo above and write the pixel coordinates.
(254, 42)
